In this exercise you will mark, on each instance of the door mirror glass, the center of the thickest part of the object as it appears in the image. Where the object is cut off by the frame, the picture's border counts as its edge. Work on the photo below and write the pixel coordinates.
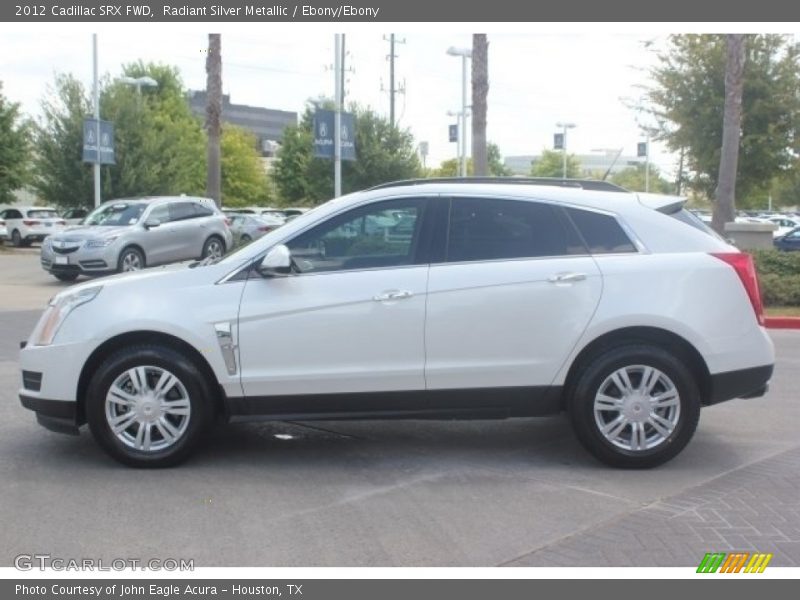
(151, 222)
(276, 263)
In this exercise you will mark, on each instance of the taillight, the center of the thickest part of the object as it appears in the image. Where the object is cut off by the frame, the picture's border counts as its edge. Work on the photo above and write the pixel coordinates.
(746, 270)
(61, 222)
(30, 223)
(227, 222)
(266, 228)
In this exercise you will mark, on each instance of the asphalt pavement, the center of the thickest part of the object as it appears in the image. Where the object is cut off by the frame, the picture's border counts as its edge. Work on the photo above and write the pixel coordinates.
(416, 493)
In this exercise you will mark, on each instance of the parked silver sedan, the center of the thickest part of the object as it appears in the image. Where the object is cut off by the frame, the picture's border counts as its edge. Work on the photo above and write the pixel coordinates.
(129, 234)
(246, 228)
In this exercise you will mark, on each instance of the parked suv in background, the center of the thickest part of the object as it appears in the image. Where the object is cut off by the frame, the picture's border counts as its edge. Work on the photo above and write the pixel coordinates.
(423, 299)
(129, 234)
(74, 216)
(28, 224)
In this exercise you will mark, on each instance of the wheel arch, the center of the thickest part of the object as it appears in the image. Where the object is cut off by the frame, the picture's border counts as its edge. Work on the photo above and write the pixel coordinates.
(220, 238)
(662, 338)
(145, 337)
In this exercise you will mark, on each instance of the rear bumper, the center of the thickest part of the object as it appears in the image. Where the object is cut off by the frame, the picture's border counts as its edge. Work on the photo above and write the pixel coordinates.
(60, 416)
(742, 383)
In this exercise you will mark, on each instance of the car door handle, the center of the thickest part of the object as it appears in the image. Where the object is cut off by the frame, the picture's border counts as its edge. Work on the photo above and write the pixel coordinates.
(392, 295)
(567, 277)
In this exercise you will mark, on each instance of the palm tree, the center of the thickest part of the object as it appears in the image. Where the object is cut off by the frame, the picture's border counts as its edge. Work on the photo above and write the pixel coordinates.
(213, 116)
(724, 207)
(480, 90)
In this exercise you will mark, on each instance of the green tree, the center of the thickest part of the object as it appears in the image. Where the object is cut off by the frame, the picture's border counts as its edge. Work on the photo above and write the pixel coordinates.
(551, 164)
(244, 181)
(14, 149)
(687, 99)
(449, 167)
(634, 179)
(60, 176)
(384, 153)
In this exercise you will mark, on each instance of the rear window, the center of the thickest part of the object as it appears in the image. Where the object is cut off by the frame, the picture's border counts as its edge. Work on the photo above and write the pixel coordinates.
(602, 233)
(42, 214)
(691, 219)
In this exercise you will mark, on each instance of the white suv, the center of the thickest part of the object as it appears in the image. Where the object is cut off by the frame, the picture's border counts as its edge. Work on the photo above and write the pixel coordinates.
(28, 224)
(444, 299)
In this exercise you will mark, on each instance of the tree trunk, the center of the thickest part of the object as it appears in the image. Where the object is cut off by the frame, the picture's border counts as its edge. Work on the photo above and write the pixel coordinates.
(725, 205)
(480, 90)
(213, 117)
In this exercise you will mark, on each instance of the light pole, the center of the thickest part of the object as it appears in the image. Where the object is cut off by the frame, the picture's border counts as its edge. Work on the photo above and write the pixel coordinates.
(564, 127)
(96, 102)
(139, 82)
(464, 53)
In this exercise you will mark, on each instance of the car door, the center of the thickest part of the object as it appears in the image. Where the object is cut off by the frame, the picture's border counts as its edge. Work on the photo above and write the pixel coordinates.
(187, 232)
(350, 320)
(515, 292)
(159, 242)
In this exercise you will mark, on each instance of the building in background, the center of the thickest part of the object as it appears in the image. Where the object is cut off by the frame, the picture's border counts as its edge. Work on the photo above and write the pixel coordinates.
(591, 164)
(267, 124)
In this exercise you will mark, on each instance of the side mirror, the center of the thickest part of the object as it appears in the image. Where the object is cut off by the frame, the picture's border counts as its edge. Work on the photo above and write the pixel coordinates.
(276, 263)
(150, 223)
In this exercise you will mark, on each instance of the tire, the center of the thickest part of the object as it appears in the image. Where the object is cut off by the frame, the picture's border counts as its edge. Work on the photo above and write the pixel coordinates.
(596, 401)
(16, 239)
(162, 430)
(130, 259)
(214, 246)
(66, 276)
(245, 239)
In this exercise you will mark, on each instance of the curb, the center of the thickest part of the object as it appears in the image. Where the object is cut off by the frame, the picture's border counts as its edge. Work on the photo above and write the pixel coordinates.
(782, 322)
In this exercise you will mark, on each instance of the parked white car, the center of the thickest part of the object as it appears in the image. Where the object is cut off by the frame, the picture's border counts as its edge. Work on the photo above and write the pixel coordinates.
(485, 300)
(28, 224)
(3, 231)
(74, 216)
(784, 224)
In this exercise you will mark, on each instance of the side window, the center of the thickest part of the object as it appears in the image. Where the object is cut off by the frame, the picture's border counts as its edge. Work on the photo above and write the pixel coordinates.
(490, 229)
(180, 211)
(12, 213)
(161, 213)
(384, 234)
(202, 211)
(602, 233)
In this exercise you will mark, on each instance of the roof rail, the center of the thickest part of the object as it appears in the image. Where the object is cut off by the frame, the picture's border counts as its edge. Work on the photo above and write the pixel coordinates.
(585, 184)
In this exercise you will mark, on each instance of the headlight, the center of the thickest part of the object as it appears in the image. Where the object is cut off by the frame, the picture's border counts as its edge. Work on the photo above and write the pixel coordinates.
(59, 309)
(101, 243)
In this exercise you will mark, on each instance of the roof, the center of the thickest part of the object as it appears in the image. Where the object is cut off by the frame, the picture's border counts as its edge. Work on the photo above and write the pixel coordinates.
(585, 184)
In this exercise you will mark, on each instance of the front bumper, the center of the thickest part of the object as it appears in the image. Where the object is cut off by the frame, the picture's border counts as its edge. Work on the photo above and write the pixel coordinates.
(742, 383)
(56, 415)
(83, 261)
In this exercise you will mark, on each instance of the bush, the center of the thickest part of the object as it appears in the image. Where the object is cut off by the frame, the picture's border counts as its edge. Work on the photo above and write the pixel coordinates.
(779, 276)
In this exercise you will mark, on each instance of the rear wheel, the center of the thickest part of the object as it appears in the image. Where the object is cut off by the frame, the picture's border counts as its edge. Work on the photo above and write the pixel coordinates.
(634, 406)
(245, 239)
(148, 406)
(213, 248)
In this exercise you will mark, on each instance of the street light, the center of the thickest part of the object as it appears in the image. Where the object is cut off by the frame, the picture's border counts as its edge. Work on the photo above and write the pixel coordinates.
(564, 127)
(139, 82)
(464, 53)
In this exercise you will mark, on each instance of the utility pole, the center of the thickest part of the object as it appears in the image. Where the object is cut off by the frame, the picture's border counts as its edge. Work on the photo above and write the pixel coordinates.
(393, 89)
(96, 99)
(337, 128)
(647, 164)
(214, 117)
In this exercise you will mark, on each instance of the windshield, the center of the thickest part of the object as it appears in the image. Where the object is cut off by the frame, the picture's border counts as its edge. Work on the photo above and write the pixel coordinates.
(118, 213)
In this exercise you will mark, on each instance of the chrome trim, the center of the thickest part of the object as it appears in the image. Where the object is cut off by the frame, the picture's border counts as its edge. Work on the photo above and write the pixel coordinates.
(227, 345)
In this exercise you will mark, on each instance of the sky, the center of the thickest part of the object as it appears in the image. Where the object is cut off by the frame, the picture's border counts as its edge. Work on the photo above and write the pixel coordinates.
(537, 78)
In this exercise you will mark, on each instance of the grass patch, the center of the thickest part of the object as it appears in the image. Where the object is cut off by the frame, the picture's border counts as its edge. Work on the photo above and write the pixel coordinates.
(782, 311)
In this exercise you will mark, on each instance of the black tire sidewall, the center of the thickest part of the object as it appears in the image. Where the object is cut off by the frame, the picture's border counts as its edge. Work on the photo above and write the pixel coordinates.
(167, 358)
(580, 404)
(16, 239)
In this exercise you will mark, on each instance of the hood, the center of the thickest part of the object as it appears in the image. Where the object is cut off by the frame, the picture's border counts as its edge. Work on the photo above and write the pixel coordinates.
(80, 233)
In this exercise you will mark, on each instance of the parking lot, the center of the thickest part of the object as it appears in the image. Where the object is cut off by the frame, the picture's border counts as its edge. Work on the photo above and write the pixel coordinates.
(415, 493)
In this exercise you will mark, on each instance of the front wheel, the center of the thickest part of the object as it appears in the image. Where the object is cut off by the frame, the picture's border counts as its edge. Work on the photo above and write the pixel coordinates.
(148, 406)
(130, 259)
(634, 406)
